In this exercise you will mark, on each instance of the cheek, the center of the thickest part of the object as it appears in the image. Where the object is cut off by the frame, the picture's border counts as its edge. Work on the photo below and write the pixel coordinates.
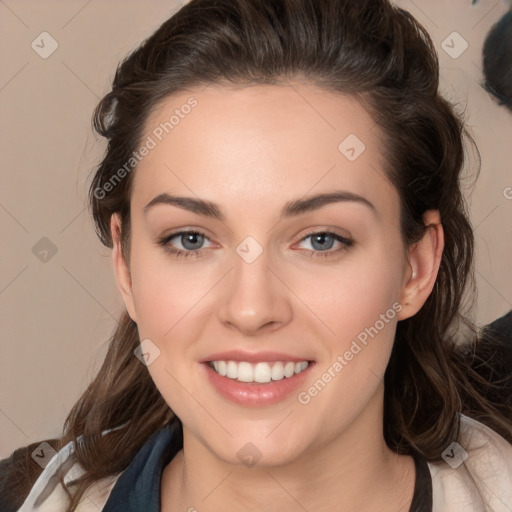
(359, 304)
(166, 292)
(354, 295)
(169, 299)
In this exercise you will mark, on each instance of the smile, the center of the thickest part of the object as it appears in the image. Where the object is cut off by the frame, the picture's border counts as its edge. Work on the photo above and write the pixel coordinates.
(261, 372)
(257, 384)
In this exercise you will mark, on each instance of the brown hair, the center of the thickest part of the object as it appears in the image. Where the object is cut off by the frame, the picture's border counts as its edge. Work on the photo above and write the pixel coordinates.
(379, 54)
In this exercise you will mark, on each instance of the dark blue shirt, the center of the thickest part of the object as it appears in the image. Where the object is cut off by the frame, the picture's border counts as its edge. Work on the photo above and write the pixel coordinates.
(138, 487)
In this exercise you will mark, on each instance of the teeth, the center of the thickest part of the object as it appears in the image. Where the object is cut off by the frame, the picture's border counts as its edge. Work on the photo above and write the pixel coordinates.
(260, 372)
(277, 372)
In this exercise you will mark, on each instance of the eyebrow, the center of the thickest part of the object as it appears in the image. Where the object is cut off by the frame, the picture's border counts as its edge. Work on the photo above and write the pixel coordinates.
(290, 209)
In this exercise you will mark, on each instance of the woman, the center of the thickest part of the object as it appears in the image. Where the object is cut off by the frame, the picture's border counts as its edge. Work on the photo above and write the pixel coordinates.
(281, 194)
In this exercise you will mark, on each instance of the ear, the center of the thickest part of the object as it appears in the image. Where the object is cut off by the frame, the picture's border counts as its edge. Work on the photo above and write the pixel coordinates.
(121, 269)
(424, 259)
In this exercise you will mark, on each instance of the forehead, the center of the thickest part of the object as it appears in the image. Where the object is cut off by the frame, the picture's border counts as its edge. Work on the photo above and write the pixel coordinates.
(251, 142)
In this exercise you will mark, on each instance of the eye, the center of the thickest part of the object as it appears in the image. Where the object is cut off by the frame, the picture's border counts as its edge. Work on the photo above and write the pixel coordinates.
(190, 241)
(322, 242)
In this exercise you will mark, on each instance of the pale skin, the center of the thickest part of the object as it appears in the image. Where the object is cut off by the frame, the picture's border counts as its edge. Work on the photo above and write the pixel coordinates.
(250, 151)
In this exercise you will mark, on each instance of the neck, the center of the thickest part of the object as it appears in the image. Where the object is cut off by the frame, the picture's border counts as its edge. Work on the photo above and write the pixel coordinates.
(353, 471)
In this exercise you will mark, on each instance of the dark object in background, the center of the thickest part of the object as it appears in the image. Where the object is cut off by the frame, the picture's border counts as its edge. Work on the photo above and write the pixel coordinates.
(497, 61)
(492, 360)
(502, 327)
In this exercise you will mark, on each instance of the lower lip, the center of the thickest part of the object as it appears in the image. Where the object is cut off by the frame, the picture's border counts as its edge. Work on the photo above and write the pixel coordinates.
(255, 394)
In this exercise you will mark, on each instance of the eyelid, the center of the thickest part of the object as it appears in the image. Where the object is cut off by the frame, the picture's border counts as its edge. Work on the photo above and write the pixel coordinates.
(332, 230)
(345, 241)
(184, 231)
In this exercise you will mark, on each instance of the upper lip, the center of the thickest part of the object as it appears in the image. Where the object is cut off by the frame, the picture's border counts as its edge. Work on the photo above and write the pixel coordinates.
(253, 357)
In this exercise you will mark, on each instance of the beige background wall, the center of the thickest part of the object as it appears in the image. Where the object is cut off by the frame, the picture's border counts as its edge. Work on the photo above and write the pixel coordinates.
(56, 315)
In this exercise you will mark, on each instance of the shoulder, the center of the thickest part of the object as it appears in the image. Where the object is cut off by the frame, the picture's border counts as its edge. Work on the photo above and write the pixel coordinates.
(18, 473)
(43, 490)
(26, 486)
(476, 471)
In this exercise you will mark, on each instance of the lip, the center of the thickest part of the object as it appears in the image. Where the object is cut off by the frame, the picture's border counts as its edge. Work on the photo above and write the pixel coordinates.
(253, 357)
(254, 394)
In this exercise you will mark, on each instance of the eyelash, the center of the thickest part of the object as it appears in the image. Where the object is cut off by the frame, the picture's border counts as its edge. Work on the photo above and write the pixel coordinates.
(178, 253)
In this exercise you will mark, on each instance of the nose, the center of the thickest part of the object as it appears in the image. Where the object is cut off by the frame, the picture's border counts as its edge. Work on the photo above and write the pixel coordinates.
(254, 300)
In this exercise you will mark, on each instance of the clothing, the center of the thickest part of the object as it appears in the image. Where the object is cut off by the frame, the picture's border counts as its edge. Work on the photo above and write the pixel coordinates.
(486, 474)
(502, 327)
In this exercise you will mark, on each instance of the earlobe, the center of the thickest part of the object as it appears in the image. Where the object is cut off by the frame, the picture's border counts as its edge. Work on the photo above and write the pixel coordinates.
(424, 259)
(121, 268)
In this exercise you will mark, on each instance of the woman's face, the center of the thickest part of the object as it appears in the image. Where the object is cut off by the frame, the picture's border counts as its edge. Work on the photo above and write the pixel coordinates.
(299, 259)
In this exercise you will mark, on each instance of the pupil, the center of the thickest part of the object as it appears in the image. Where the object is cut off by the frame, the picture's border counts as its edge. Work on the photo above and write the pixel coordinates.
(191, 238)
(322, 237)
